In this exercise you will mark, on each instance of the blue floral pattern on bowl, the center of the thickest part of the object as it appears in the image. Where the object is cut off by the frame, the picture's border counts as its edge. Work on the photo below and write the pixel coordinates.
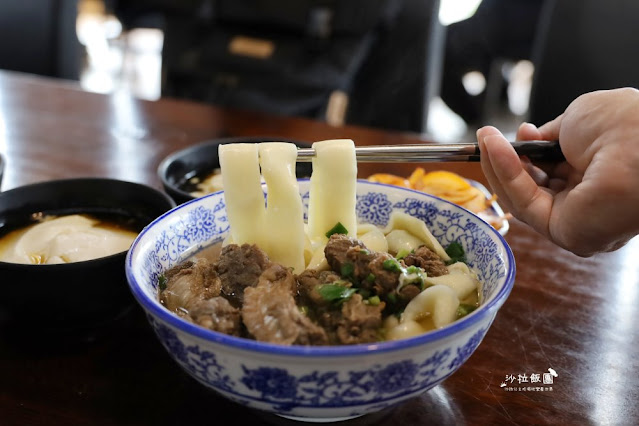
(373, 207)
(318, 388)
(320, 382)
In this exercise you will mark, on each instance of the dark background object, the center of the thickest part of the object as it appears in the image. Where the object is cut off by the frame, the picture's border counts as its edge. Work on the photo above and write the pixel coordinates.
(38, 37)
(384, 55)
(74, 296)
(402, 73)
(583, 45)
(499, 31)
(318, 47)
(200, 160)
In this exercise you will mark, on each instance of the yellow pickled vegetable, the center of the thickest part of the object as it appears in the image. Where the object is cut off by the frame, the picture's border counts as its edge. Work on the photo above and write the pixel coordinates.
(447, 185)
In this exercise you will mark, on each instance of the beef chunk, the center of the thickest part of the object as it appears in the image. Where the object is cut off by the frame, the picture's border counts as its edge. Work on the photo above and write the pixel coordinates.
(307, 283)
(408, 293)
(385, 281)
(240, 267)
(189, 283)
(360, 322)
(360, 258)
(352, 322)
(428, 260)
(216, 314)
(329, 317)
(367, 266)
(271, 315)
(337, 247)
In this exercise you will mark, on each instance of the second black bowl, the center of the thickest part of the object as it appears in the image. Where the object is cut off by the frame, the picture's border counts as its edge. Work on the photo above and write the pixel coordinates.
(80, 295)
(178, 169)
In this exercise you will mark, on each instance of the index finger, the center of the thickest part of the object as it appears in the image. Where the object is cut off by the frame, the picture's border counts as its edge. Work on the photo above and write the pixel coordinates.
(527, 200)
(550, 130)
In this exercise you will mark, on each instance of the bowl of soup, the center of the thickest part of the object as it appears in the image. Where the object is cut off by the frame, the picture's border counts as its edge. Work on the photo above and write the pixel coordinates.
(382, 306)
(195, 171)
(62, 250)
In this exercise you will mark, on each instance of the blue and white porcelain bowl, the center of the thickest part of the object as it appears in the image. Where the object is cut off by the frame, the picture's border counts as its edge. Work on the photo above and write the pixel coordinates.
(322, 383)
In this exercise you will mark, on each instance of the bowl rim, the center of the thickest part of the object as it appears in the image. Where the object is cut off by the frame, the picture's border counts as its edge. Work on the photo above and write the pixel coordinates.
(163, 167)
(90, 179)
(153, 306)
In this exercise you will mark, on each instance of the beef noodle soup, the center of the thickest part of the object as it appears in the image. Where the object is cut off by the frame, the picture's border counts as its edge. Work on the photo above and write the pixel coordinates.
(348, 284)
(360, 298)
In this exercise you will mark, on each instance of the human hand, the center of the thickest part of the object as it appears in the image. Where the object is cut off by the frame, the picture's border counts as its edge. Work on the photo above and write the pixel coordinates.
(590, 202)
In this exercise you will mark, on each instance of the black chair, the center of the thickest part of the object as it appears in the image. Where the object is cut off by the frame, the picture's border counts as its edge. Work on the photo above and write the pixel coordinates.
(366, 62)
(402, 74)
(583, 45)
(39, 37)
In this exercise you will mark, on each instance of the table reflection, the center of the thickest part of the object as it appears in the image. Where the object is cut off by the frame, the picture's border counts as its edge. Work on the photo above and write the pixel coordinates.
(435, 405)
(612, 344)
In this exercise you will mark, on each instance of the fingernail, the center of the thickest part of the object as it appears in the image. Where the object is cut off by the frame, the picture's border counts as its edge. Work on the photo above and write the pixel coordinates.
(480, 139)
(491, 140)
(525, 124)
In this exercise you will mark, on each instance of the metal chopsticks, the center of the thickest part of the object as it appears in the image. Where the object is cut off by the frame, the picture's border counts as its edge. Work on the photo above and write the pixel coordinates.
(543, 151)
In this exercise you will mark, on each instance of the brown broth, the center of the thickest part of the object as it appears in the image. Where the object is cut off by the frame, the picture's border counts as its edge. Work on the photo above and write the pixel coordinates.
(210, 253)
(472, 299)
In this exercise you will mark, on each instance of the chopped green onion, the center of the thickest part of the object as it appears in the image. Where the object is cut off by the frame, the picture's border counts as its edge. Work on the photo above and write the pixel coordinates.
(337, 229)
(392, 265)
(411, 275)
(335, 292)
(392, 297)
(456, 253)
(347, 269)
(162, 282)
(364, 293)
(370, 278)
(464, 309)
(374, 300)
(402, 254)
(364, 252)
(413, 270)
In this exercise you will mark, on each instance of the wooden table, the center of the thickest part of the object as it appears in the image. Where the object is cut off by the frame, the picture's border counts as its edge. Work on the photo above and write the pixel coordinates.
(576, 316)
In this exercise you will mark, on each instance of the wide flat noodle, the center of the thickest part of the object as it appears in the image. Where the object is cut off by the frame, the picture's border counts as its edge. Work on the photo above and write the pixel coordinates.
(243, 192)
(65, 239)
(284, 211)
(333, 188)
(416, 227)
(400, 239)
(372, 237)
(460, 279)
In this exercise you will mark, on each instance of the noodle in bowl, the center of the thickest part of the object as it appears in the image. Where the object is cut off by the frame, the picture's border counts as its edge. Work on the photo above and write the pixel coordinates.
(321, 383)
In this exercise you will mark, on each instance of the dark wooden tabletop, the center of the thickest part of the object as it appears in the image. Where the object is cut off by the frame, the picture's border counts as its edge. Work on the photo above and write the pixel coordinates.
(575, 316)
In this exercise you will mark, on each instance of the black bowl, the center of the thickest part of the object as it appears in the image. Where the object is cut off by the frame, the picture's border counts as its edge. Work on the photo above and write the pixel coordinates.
(80, 295)
(176, 170)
